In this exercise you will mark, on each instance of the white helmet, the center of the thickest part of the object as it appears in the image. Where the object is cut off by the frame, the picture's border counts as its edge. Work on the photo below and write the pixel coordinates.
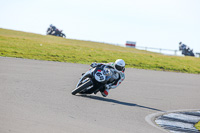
(119, 65)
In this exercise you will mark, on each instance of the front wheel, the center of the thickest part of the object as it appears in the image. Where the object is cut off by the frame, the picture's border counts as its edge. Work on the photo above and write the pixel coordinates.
(82, 87)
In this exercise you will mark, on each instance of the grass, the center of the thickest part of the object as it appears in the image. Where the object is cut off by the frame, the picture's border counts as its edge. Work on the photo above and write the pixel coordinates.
(33, 46)
(198, 125)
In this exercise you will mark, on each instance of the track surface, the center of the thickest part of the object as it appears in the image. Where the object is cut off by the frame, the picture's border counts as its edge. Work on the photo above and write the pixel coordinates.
(35, 97)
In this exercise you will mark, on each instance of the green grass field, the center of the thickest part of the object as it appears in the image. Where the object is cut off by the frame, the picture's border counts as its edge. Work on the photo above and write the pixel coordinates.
(33, 46)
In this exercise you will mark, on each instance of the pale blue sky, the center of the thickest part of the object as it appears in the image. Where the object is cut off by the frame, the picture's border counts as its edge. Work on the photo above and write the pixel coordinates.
(151, 23)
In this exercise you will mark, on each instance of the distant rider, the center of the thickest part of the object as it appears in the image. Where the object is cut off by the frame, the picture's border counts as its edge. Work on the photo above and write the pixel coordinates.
(117, 68)
(53, 27)
(182, 46)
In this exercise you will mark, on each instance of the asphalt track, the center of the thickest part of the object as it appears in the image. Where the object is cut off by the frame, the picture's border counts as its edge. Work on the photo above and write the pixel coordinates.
(35, 97)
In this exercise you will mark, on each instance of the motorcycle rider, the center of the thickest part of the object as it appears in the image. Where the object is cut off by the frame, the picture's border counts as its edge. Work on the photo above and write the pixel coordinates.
(51, 30)
(182, 46)
(53, 27)
(117, 68)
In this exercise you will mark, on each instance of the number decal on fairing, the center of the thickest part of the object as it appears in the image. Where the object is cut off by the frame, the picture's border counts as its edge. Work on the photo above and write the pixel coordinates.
(99, 77)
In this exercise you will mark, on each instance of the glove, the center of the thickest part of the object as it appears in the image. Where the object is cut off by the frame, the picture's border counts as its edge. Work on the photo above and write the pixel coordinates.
(93, 64)
(107, 86)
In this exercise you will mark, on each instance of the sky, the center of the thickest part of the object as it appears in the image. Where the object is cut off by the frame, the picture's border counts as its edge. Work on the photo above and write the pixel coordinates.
(149, 23)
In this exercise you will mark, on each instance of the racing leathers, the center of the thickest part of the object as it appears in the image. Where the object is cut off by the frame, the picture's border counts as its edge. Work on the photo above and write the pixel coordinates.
(116, 78)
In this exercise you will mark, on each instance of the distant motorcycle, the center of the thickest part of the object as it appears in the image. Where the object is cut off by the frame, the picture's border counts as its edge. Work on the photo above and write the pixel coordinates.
(93, 80)
(186, 50)
(55, 32)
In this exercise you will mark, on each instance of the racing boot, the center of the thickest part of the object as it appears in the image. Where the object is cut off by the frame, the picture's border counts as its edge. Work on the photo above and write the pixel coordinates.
(105, 93)
(105, 90)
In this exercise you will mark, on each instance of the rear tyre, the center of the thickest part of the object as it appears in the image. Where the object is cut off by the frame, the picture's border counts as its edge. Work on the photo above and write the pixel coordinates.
(63, 35)
(82, 87)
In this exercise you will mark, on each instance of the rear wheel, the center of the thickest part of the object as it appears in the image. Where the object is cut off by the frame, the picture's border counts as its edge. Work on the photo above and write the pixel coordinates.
(82, 87)
(63, 35)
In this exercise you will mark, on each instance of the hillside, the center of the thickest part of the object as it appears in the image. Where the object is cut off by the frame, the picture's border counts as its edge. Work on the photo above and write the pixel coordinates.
(34, 46)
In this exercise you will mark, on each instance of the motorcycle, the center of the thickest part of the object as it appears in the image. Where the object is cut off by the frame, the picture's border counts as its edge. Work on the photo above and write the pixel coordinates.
(56, 32)
(93, 80)
(186, 50)
(59, 33)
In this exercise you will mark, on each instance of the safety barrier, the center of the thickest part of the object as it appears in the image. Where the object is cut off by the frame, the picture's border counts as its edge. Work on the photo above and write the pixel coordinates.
(164, 51)
(159, 50)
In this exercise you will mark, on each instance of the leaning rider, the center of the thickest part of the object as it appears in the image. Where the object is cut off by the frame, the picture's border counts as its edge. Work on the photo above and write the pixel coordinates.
(117, 68)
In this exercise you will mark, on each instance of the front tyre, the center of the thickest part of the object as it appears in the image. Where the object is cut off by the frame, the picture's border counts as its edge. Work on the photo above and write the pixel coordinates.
(82, 87)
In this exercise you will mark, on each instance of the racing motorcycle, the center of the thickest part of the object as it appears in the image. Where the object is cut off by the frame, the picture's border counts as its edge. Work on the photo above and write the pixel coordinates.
(55, 32)
(93, 80)
(186, 50)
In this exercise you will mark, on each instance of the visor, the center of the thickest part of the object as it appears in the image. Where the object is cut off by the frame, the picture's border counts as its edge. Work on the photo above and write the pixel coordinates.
(119, 68)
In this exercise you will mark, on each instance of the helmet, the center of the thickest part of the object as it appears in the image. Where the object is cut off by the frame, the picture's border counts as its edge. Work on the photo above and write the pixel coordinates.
(119, 65)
